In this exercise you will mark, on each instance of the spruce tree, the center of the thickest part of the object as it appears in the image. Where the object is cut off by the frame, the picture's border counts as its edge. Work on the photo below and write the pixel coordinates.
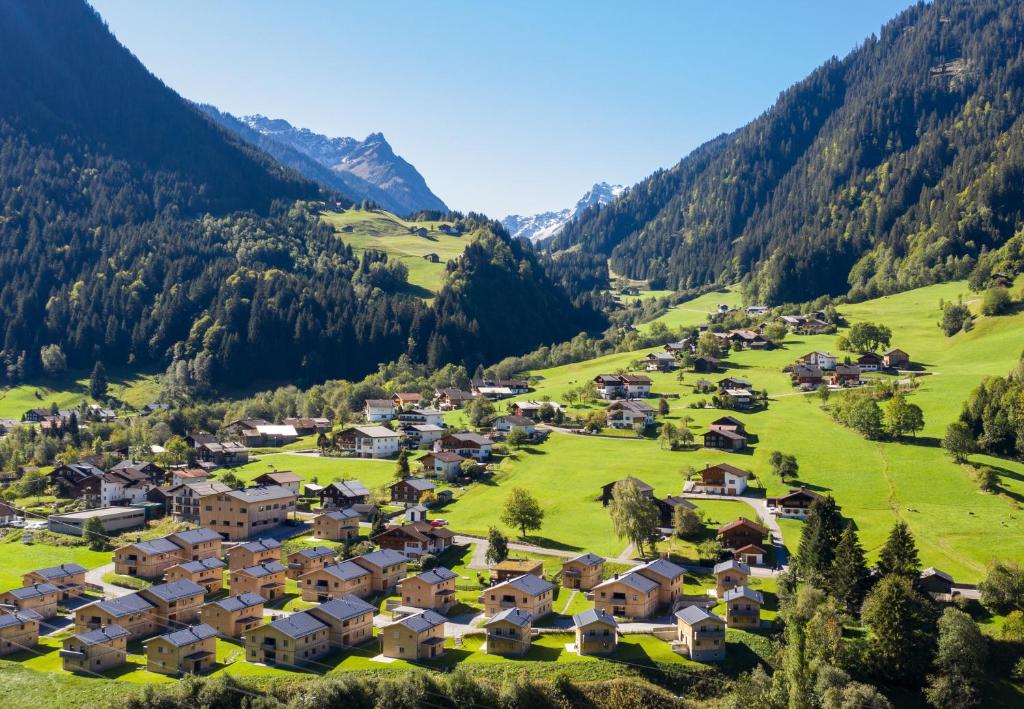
(818, 541)
(849, 572)
(902, 625)
(98, 382)
(899, 554)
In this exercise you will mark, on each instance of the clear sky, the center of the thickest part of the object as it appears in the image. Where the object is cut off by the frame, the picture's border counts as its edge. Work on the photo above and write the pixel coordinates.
(517, 107)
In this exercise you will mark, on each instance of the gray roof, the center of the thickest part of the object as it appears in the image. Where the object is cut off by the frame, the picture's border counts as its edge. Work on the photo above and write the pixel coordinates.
(197, 536)
(298, 625)
(691, 615)
(346, 570)
(176, 590)
(743, 592)
(343, 608)
(730, 565)
(102, 635)
(382, 558)
(516, 616)
(194, 567)
(470, 437)
(932, 571)
(18, 617)
(158, 546)
(437, 575)
(591, 616)
(261, 545)
(350, 488)
(265, 569)
(125, 605)
(195, 633)
(317, 552)
(663, 567)
(588, 559)
(417, 484)
(419, 622)
(634, 580)
(261, 494)
(340, 515)
(33, 591)
(528, 583)
(236, 603)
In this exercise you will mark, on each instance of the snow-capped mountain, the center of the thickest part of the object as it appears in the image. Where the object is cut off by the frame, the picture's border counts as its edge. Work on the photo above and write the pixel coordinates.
(539, 227)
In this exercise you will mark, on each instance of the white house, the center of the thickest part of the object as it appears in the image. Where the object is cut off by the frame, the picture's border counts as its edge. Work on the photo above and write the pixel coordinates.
(430, 417)
(122, 489)
(420, 433)
(608, 386)
(628, 414)
(635, 386)
(379, 410)
(510, 423)
(369, 441)
(468, 445)
(825, 360)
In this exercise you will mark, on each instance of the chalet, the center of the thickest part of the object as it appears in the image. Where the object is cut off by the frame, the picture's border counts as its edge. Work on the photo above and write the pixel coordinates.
(234, 616)
(738, 398)
(432, 257)
(95, 651)
(266, 580)
(705, 365)
(148, 470)
(18, 631)
(751, 339)
(78, 480)
(255, 552)
(750, 554)
(667, 575)
(182, 476)
(239, 514)
(814, 326)
(386, 566)
(303, 561)
(724, 439)
(514, 386)
(608, 386)
(68, 578)
(309, 426)
(174, 603)
(226, 453)
(720, 479)
(730, 574)
(450, 229)
(402, 400)
(729, 423)
(368, 441)
(527, 592)
(148, 559)
(208, 573)
(845, 375)
(806, 375)
(450, 399)
(869, 362)
(635, 386)
(734, 383)
(290, 641)
(126, 487)
(377, 410)
(415, 637)
(596, 632)
(191, 650)
(895, 358)
(743, 607)
(187, 498)
(509, 632)
(627, 596)
(433, 589)
(411, 491)
(39, 597)
(343, 494)
(740, 532)
(131, 612)
(196, 544)
(432, 417)
(468, 445)
(336, 581)
(419, 434)
(582, 572)
(667, 508)
(36, 415)
(796, 503)
(238, 426)
(336, 525)
(511, 422)
(936, 583)
(822, 360)
(678, 346)
(446, 465)
(198, 438)
(508, 569)
(701, 634)
(629, 413)
(285, 478)
(532, 409)
(414, 539)
(609, 488)
(349, 618)
(660, 361)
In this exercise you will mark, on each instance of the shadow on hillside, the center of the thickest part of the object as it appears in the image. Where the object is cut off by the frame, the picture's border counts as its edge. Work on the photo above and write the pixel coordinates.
(925, 441)
(548, 543)
(809, 486)
(416, 291)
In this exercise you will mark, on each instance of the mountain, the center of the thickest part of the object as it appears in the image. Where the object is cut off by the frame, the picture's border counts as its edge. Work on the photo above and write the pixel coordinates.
(541, 227)
(894, 167)
(362, 170)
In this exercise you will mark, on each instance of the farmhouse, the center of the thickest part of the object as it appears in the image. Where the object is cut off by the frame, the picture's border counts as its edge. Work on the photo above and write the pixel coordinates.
(628, 414)
(368, 441)
(285, 478)
(895, 358)
(730, 574)
(661, 361)
(445, 465)
(191, 650)
(806, 375)
(78, 480)
(289, 641)
(527, 592)
(450, 399)
(720, 479)
(336, 525)
(239, 514)
(234, 616)
(39, 597)
(796, 503)
(68, 578)
(724, 439)
(433, 589)
(734, 383)
(411, 491)
(255, 552)
(349, 618)
(705, 365)
(18, 631)
(635, 386)
(467, 445)
(701, 634)
(740, 532)
(628, 596)
(266, 580)
(509, 633)
(376, 410)
(309, 426)
(608, 488)
(532, 409)
(174, 603)
(743, 607)
(419, 636)
(845, 375)
(582, 572)
(343, 494)
(596, 632)
(95, 651)
(125, 487)
(208, 573)
(226, 453)
(869, 362)
(405, 399)
(414, 539)
(386, 567)
(822, 360)
(511, 422)
(336, 581)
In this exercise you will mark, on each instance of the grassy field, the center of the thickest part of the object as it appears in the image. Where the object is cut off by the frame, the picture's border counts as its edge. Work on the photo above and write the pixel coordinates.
(693, 312)
(875, 482)
(133, 388)
(17, 558)
(384, 231)
(372, 473)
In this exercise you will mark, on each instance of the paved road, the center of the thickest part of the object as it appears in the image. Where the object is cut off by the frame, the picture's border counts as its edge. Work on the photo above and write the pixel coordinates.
(479, 560)
(95, 576)
(760, 506)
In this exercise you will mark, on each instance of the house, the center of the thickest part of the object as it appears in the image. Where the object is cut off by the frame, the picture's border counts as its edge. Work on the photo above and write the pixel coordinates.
(148, 559)
(635, 386)
(95, 651)
(336, 581)
(240, 514)
(336, 525)
(730, 574)
(7, 513)
(608, 386)
(499, 388)
(78, 480)
(822, 360)
(628, 414)
(147, 469)
(701, 634)
(608, 488)
(196, 544)
(226, 453)
(368, 441)
(895, 358)
(845, 375)
(415, 637)
(511, 422)
(667, 575)
(724, 439)
(113, 519)
(349, 618)
(414, 539)
(131, 612)
(806, 375)
(289, 641)
(597, 633)
(416, 513)
(234, 616)
(660, 361)
(795, 504)
(705, 365)
(174, 603)
(255, 552)
(450, 399)
(240, 426)
(405, 399)
(627, 596)
(285, 478)
(936, 583)
(386, 566)
(743, 607)
(266, 580)
(191, 650)
(446, 465)
(508, 569)
(68, 578)
(181, 476)
(18, 631)
(510, 632)
(187, 498)
(431, 417)
(722, 479)
(208, 573)
(750, 554)
(307, 426)
(124, 488)
(344, 494)
(667, 507)
(432, 257)
(411, 491)
(738, 398)
(869, 362)
(433, 589)
(376, 410)
(582, 572)
(527, 592)
(467, 444)
(418, 434)
(303, 561)
(740, 532)
(39, 597)
(531, 409)
(450, 229)
(36, 415)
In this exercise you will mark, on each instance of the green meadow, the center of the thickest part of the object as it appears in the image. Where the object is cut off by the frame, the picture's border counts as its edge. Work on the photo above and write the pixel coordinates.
(136, 389)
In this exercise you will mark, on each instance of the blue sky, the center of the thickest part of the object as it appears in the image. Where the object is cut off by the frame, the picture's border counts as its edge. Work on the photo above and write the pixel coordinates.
(504, 108)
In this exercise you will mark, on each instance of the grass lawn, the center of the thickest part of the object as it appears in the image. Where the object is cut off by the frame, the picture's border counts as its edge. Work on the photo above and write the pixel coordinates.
(372, 473)
(17, 559)
(695, 311)
(71, 389)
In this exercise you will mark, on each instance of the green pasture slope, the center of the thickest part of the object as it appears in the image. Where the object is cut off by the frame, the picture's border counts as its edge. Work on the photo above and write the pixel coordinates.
(876, 483)
(133, 388)
(384, 231)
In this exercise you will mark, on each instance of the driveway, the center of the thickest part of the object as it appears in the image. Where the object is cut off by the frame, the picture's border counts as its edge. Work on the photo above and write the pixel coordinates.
(479, 559)
(95, 576)
(760, 507)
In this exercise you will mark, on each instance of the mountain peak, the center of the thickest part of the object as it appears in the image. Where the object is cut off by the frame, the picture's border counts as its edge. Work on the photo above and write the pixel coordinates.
(540, 227)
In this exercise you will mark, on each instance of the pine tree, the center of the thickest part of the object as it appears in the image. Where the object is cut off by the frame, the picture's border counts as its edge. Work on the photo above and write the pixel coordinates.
(818, 541)
(98, 382)
(899, 554)
(849, 571)
(497, 546)
(902, 625)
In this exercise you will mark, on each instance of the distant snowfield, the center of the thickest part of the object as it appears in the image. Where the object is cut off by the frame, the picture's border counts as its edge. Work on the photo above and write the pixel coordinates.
(540, 227)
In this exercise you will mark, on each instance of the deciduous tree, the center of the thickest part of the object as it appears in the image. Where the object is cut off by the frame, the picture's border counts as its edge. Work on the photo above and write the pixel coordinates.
(634, 515)
(522, 511)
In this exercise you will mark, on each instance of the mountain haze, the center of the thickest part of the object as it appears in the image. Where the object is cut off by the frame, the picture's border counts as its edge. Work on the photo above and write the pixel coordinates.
(541, 227)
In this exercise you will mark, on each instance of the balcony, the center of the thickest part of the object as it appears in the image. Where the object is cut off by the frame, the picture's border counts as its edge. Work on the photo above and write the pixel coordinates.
(72, 655)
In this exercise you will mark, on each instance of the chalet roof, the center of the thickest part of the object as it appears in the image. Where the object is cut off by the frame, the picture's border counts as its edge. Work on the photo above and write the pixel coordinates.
(197, 536)
(847, 369)
(588, 559)
(258, 545)
(56, 572)
(18, 617)
(371, 432)
(345, 571)
(382, 558)
(743, 592)
(239, 602)
(317, 552)
(640, 484)
(298, 625)
(267, 568)
(470, 437)
(281, 477)
(635, 379)
(727, 421)
(157, 546)
(421, 622)
(662, 567)
(795, 493)
(340, 515)
(194, 567)
(379, 404)
(691, 615)
(516, 616)
(416, 484)
(893, 350)
(807, 370)
(175, 590)
(513, 420)
(732, 565)
(592, 616)
(727, 468)
(445, 456)
(407, 396)
(125, 605)
(742, 522)
(187, 636)
(633, 580)
(34, 591)
(528, 583)
(423, 412)
(102, 635)
(932, 571)
(350, 488)
(438, 574)
(261, 494)
(342, 609)
(730, 434)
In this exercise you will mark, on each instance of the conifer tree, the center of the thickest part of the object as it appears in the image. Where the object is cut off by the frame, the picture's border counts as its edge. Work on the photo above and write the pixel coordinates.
(899, 554)
(849, 572)
(902, 625)
(818, 541)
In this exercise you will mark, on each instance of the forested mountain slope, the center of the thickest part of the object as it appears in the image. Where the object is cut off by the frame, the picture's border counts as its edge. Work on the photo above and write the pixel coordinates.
(891, 168)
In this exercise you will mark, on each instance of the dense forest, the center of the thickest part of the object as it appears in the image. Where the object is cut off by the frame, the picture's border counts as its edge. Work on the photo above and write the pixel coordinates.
(135, 231)
(895, 167)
